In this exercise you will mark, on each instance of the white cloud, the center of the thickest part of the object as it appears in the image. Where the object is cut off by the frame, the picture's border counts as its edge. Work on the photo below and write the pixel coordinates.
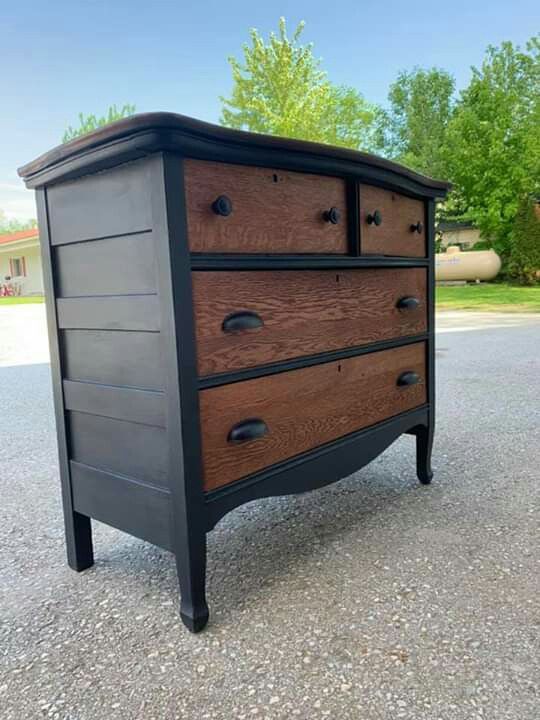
(16, 201)
(12, 187)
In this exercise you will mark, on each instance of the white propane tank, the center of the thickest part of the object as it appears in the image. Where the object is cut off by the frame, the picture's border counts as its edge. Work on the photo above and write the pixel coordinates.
(472, 265)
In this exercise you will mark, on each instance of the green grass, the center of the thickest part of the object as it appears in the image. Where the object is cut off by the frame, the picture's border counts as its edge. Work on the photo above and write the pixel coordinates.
(496, 297)
(21, 300)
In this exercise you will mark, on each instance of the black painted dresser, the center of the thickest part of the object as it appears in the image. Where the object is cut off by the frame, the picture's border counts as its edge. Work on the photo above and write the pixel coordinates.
(231, 316)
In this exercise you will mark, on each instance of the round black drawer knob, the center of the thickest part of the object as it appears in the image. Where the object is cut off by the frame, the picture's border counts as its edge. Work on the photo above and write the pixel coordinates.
(374, 218)
(222, 205)
(417, 228)
(332, 216)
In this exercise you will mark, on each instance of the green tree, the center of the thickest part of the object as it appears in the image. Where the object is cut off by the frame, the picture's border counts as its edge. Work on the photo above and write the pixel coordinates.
(280, 89)
(88, 123)
(524, 261)
(413, 128)
(492, 144)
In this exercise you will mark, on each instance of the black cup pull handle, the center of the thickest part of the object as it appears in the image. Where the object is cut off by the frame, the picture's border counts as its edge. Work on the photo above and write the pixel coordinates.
(250, 429)
(222, 205)
(374, 218)
(417, 228)
(408, 303)
(242, 320)
(332, 216)
(408, 378)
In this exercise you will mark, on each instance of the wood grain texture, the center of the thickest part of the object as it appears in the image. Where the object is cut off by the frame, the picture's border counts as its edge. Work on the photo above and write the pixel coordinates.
(304, 409)
(274, 211)
(304, 312)
(393, 236)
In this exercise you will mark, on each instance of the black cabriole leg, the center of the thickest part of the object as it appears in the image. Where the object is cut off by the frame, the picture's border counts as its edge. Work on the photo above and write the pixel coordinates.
(191, 566)
(424, 443)
(80, 552)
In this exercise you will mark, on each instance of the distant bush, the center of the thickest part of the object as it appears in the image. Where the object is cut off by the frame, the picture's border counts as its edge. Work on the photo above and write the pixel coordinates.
(12, 225)
(524, 263)
(89, 123)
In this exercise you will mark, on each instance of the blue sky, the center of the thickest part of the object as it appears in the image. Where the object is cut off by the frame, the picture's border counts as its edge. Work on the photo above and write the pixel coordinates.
(60, 58)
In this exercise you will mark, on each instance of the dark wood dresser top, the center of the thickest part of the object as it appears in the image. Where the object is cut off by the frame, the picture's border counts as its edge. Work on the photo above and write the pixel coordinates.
(139, 135)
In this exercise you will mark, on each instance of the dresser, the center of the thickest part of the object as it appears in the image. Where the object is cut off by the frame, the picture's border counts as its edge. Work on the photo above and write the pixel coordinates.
(231, 316)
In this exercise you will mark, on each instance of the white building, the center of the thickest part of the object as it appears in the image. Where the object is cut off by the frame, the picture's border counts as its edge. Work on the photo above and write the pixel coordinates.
(462, 234)
(20, 259)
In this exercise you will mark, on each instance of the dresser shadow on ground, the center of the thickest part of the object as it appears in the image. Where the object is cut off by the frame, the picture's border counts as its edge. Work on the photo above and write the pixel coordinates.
(261, 543)
(270, 539)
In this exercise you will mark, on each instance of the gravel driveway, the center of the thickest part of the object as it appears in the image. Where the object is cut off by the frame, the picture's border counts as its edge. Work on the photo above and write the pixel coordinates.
(375, 598)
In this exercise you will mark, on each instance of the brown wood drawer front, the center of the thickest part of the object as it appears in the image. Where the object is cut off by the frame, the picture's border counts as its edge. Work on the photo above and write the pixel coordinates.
(304, 408)
(302, 313)
(273, 211)
(398, 214)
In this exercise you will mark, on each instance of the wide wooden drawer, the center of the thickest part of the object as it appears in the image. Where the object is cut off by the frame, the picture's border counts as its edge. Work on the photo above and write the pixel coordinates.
(249, 425)
(245, 319)
(263, 210)
(391, 224)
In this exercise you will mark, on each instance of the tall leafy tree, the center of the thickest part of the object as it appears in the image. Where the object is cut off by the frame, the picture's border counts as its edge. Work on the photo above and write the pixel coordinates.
(493, 140)
(280, 89)
(88, 123)
(412, 129)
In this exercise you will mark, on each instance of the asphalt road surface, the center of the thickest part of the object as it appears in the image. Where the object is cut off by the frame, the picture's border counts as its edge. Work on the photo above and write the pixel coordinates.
(374, 598)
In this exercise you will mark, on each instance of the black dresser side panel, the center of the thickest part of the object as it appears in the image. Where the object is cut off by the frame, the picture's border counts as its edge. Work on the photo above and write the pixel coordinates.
(113, 387)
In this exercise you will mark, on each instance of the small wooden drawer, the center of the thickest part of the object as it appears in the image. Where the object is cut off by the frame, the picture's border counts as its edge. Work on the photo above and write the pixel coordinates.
(391, 224)
(245, 319)
(252, 424)
(241, 209)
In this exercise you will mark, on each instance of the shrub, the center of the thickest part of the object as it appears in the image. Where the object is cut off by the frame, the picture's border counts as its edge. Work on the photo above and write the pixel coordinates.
(524, 263)
(482, 245)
